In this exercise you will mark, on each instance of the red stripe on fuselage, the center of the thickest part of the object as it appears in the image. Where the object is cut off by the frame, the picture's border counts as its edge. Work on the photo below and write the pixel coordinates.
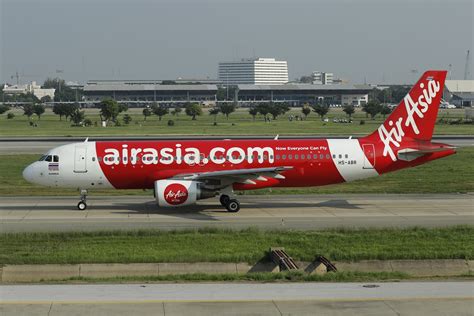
(311, 161)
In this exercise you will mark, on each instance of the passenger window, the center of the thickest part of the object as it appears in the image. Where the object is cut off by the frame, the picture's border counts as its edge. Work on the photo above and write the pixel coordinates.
(328, 156)
(315, 157)
(321, 156)
(308, 157)
(347, 156)
(277, 157)
(296, 156)
(334, 156)
(340, 156)
(284, 156)
(290, 156)
(93, 158)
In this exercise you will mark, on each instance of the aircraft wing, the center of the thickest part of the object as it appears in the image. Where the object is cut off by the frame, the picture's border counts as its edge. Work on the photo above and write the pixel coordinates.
(246, 176)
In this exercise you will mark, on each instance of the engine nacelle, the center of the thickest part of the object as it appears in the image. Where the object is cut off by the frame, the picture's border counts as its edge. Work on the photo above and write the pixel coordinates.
(172, 193)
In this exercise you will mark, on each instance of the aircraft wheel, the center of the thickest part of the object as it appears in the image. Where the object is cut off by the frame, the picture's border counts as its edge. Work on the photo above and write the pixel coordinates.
(81, 206)
(233, 206)
(224, 199)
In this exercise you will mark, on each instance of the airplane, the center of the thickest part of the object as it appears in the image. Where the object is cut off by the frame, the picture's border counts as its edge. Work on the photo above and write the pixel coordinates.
(180, 172)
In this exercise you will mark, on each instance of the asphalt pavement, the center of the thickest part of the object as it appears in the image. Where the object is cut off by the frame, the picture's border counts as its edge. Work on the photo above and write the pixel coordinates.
(389, 298)
(43, 213)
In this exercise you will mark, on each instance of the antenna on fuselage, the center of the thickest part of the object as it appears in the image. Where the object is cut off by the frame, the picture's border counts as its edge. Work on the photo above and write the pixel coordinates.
(276, 137)
(86, 140)
(350, 137)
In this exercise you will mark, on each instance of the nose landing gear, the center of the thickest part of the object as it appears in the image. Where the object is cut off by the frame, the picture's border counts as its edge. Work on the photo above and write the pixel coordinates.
(81, 206)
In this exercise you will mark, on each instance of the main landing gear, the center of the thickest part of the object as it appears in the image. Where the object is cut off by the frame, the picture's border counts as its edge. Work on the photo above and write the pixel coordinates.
(232, 205)
(81, 206)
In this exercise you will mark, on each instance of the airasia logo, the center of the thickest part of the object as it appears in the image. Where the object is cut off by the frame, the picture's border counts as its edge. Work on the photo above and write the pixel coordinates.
(393, 135)
(176, 194)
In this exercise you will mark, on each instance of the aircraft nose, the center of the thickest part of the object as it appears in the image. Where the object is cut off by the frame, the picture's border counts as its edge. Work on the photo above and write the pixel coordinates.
(28, 173)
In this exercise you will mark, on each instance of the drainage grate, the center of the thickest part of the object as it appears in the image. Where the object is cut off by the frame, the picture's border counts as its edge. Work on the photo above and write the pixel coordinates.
(284, 261)
(329, 265)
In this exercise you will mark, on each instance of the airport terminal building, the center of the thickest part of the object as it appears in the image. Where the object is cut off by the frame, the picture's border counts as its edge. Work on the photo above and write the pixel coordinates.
(143, 92)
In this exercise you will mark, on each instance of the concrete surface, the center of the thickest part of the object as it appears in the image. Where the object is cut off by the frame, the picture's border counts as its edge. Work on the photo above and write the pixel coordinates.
(34, 214)
(404, 298)
(36, 273)
(39, 145)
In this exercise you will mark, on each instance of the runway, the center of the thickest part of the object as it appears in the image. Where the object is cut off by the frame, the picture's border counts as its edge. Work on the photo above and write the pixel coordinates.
(421, 298)
(39, 145)
(307, 212)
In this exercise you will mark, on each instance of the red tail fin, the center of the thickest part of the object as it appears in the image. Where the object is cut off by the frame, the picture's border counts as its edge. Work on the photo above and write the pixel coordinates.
(416, 114)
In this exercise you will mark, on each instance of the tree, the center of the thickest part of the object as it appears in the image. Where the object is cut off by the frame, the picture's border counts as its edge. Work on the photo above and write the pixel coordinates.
(349, 109)
(28, 110)
(193, 110)
(4, 108)
(264, 109)
(127, 119)
(253, 111)
(306, 79)
(321, 109)
(226, 109)
(159, 110)
(277, 109)
(385, 110)
(109, 110)
(146, 112)
(177, 110)
(306, 110)
(69, 109)
(77, 117)
(372, 108)
(10, 115)
(59, 109)
(45, 99)
(214, 111)
(38, 109)
(63, 92)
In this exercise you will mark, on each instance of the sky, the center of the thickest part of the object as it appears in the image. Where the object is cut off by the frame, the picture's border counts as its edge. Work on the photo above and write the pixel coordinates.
(376, 41)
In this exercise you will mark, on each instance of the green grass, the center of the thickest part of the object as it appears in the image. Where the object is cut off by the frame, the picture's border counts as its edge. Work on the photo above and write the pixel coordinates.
(239, 123)
(291, 276)
(452, 174)
(250, 245)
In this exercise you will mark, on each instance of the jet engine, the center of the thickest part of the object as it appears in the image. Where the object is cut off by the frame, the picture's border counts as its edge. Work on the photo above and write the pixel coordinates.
(172, 193)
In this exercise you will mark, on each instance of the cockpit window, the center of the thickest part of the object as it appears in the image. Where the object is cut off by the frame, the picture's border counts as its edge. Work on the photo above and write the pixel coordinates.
(49, 158)
(42, 158)
(55, 158)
